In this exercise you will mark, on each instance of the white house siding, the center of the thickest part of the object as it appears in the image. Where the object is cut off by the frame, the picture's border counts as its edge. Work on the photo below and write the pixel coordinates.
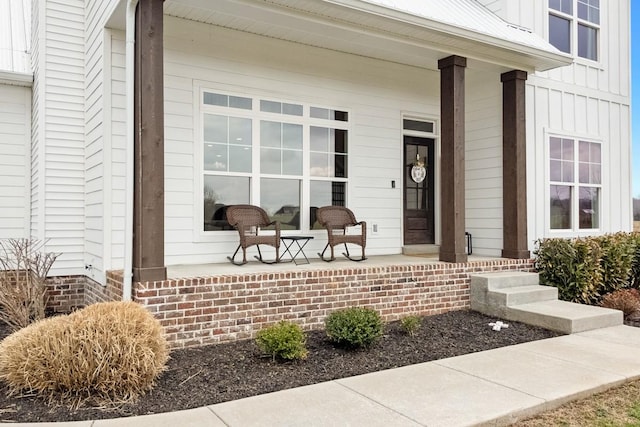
(36, 216)
(58, 166)
(115, 149)
(15, 167)
(483, 161)
(583, 100)
(376, 94)
(97, 158)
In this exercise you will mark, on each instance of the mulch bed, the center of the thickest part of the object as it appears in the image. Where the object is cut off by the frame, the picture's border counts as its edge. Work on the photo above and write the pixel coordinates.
(218, 373)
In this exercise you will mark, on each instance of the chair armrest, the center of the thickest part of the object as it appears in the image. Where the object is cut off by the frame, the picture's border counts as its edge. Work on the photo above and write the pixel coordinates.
(276, 226)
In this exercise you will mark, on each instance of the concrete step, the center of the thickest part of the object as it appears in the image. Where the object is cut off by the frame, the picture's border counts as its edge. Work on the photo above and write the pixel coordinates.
(522, 295)
(566, 317)
(491, 281)
(421, 249)
(516, 296)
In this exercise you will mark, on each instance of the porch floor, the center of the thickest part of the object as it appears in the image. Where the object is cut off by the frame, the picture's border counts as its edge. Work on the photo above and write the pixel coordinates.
(182, 271)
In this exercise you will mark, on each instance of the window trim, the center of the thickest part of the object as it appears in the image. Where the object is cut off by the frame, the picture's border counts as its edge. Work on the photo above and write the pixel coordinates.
(575, 231)
(256, 115)
(574, 22)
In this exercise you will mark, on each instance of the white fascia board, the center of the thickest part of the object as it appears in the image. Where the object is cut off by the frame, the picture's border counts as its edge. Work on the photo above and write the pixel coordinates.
(546, 57)
(16, 79)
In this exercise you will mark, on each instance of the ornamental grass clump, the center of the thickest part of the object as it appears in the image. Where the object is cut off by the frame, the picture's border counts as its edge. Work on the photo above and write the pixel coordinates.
(106, 354)
(625, 300)
(354, 327)
(284, 340)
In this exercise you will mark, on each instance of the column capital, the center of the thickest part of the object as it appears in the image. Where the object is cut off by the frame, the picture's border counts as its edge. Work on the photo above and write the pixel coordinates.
(451, 61)
(513, 75)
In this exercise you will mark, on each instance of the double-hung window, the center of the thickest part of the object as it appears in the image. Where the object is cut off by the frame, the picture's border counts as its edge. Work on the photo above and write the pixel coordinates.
(288, 158)
(574, 26)
(575, 184)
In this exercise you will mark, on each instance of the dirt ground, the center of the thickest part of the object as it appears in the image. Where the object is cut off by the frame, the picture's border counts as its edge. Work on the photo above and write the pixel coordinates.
(218, 373)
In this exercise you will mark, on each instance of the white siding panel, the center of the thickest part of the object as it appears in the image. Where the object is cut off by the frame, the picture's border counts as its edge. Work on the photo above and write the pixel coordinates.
(97, 160)
(237, 62)
(15, 161)
(483, 161)
(62, 110)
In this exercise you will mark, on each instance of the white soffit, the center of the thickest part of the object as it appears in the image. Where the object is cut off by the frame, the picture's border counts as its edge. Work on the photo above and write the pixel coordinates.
(15, 40)
(413, 32)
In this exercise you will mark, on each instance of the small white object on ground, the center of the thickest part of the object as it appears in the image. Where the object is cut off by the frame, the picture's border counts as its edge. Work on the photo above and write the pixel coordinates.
(496, 326)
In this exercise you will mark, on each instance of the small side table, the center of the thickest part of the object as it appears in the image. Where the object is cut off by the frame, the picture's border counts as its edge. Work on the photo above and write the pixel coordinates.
(301, 242)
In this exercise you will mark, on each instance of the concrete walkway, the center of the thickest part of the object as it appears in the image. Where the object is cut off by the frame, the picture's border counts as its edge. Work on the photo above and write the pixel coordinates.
(495, 387)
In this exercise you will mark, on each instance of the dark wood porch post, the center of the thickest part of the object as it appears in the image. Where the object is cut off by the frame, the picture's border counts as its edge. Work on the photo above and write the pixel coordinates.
(514, 165)
(452, 209)
(148, 205)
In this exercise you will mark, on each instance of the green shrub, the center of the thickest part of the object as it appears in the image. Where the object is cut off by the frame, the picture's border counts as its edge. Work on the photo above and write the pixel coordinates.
(634, 280)
(584, 269)
(108, 353)
(411, 324)
(625, 300)
(572, 266)
(354, 327)
(616, 261)
(283, 340)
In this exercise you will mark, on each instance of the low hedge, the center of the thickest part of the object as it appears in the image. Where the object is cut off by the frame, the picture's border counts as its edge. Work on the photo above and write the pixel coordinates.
(585, 269)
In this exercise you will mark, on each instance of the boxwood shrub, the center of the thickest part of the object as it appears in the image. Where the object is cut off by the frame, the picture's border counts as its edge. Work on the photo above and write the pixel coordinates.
(354, 327)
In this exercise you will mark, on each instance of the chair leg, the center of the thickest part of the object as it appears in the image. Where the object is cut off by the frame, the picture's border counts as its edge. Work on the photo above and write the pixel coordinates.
(259, 258)
(233, 257)
(351, 258)
(322, 254)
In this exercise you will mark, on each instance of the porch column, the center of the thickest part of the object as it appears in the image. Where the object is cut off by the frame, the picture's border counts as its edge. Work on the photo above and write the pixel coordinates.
(452, 210)
(148, 194)
(514, 165)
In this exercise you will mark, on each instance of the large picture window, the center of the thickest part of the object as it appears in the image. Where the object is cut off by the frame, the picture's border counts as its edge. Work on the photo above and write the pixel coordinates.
(575, 184)
(266, 152)
(574, 26)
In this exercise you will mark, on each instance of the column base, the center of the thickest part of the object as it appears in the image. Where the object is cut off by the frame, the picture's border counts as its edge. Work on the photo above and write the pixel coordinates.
(453, 257)
(516, 254)
(149, 274)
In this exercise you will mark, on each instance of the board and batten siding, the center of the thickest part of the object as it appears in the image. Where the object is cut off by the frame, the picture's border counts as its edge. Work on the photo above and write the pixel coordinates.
(15, 164)
(584, 100)
(58, 151)
(198, 55)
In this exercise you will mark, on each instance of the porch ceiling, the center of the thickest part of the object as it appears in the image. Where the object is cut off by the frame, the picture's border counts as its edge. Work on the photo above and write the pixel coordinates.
(411, 32)
(398, 31)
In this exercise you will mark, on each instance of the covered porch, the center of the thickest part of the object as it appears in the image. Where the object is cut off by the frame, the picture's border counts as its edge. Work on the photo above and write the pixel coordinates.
(446, 39)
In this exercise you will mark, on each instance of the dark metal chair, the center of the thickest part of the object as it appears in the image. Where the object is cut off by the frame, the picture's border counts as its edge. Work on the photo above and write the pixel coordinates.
(249, 220)
(336, 220)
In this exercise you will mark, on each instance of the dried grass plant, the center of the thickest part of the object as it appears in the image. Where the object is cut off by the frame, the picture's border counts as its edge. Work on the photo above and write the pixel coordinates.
(24, 266)
(625, 300)
(105, 354)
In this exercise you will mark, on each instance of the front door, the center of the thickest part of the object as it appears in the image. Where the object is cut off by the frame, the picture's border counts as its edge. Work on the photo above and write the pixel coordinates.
(418, 189)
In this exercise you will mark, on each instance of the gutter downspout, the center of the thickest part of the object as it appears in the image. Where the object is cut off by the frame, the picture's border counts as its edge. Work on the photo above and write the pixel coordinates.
(129, 87)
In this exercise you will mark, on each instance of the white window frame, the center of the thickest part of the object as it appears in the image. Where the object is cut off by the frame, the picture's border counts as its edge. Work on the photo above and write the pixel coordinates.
(575, 230)
(574, 22)
(256, 115)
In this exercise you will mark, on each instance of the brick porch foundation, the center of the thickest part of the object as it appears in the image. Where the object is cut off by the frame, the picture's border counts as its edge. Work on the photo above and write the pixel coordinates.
(215, 309)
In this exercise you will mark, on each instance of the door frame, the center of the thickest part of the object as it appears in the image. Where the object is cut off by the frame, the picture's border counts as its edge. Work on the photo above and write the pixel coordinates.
(435, 135)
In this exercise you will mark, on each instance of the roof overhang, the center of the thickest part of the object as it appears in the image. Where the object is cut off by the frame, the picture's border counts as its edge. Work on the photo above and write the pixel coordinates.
(16, 79)
(373, 29)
